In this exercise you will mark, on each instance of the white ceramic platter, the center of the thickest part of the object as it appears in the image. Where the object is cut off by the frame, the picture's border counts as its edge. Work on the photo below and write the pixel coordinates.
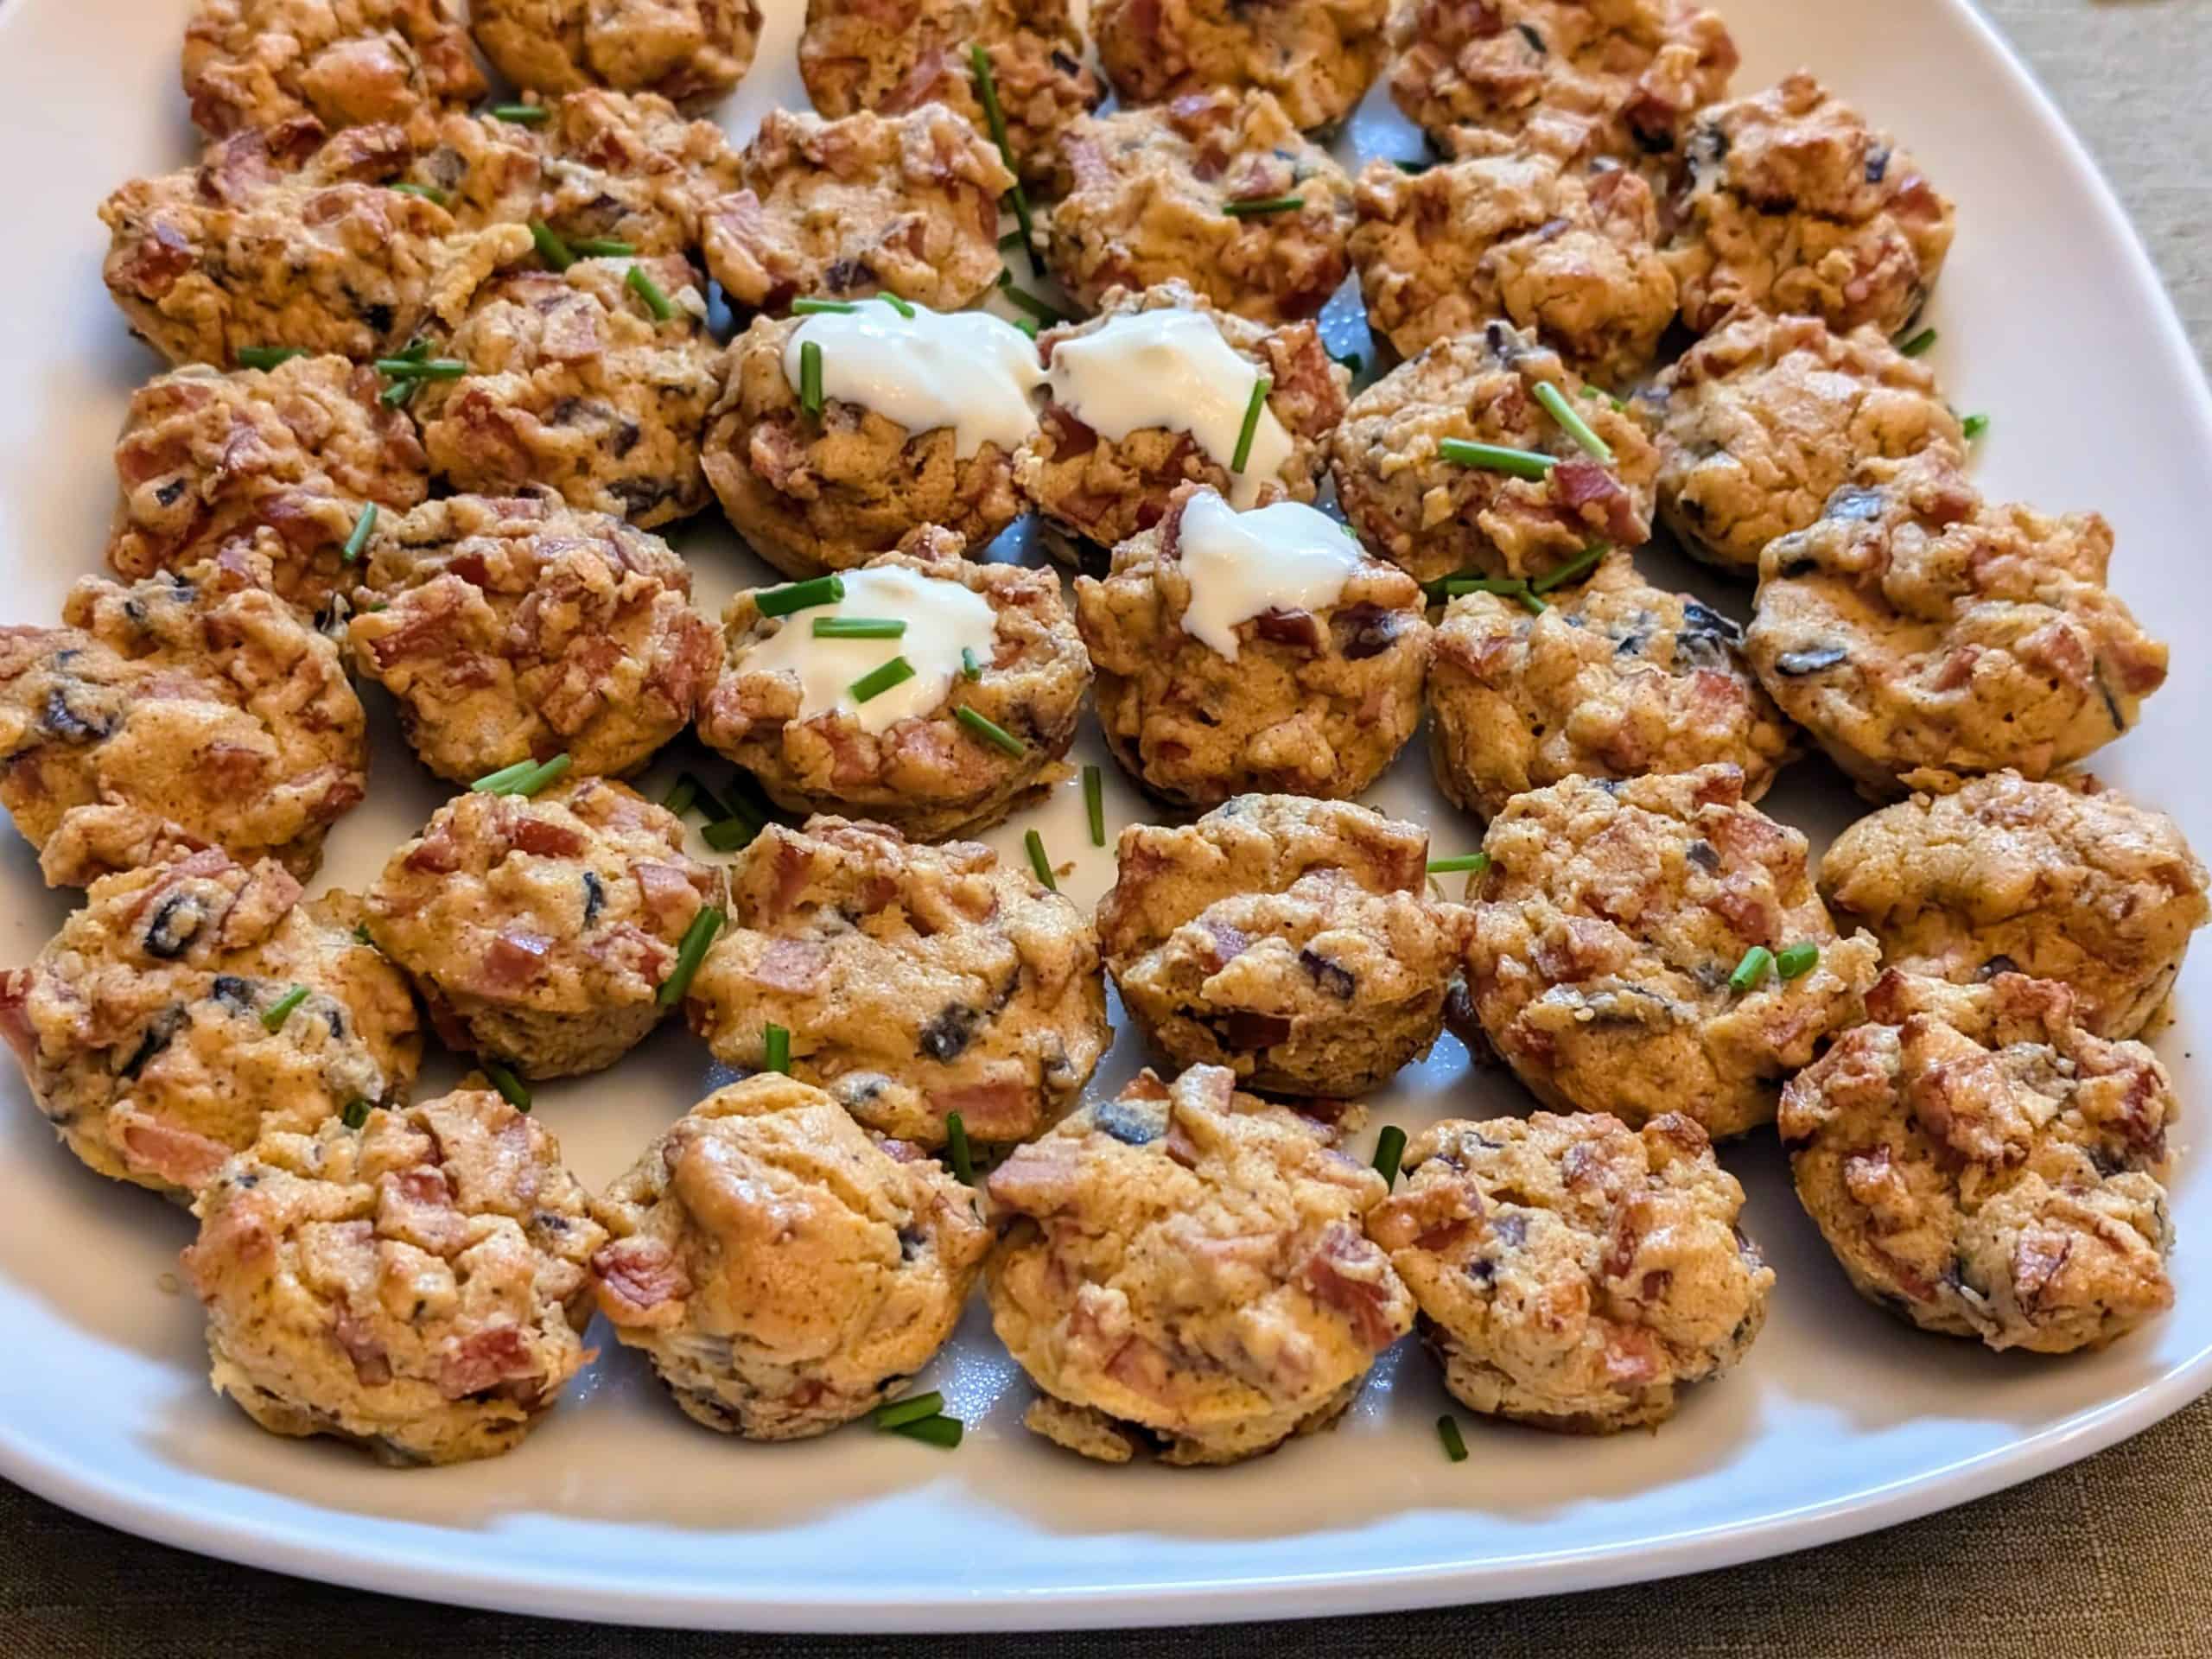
(618, 1508)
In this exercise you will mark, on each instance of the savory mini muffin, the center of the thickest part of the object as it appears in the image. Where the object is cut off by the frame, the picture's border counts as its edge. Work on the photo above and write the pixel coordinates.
(2062, 880)
(1182, 1269)
(1291, 940)
(1766, 417)
(342, 63)
(1983, 1166)
(1915, 624)
(194, 1005)
(1654, 945)
(415, 1285)
(578, 382)
(1613, 679)
(691, 52)
(1584, 78)
(514, 628)
(1157, 391)
(1793, 204)
(784, 1269)
(912, 982)
(1253, 652)
(940, 729)
(1317, 57)
(283, 460)
(175, 714)
(1567, 251)
(1417, 492)
(906, 205)
(891, 56)
(919, 423)
(1572, 1274)
(1217, 189)
(539, 931)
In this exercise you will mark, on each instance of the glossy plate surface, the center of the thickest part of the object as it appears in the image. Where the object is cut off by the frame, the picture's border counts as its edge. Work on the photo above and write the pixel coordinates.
(618, 1508)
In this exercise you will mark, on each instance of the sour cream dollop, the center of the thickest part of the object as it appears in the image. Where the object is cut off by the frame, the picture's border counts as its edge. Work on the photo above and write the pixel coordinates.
(941, 617)
(1240, 565)
(964, 370)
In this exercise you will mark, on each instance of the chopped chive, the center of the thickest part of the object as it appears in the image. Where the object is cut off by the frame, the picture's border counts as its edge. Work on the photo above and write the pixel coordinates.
(267, 357)
(1263, 205)
(776, 1049)
(550, 248)
(1585, 561)
(1529, 601)
(509, 1085)
(1043, 310)
(1571, 421)
(430, 193)
(955, 1148)
(934, 1431)
(415, 349)
(1246, 433)
(822, 307)
(679, 799)
(1389, 1146)
(1751, 970)
(541, 775)
(689, 954)
(1798, 960)
(799, 596)
(1037, 861)
(1351, 360)
(362, 936)
(1447, 1430)
(902, 306)
(1460, 586)
(968, 666)
(354, 1113)
(1027, 325)
(987, 93)
(364, 527)
(602, 247)
(497, 782)
(649, 290)
(912, 1409)
(1009, 242)
(1472, 863)
(422, 368)
(1094, 804)
(274, 1016)
(809, 377)
(1974, 426)
(523, 115)
(1917, 345)
(1413, 166)
(706, 801)
(1495, 458)
(397, 393)
(730, 835)
(880, 678)
(989, 730)
(858, 627)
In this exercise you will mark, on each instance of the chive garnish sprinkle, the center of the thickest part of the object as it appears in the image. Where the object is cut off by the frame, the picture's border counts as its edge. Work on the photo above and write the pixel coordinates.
(1585, 561)
(602, 247)
(524, 778)
(904, 307)
(858, 627)
(1094, 804)
(809, 377)
(730, 835)
(1472, 863)
(430, 193)
(680, 796)
(1496, 457)
(1571, 421)
(776, 1049)
(1246, 433)
(267, 357)
(689, 954)
(1043, 310)
(1389, 1147)
(969, 665)
(1037, 860)
(354, 1113)
(1258, 207)
(524, 115)
(912, 1409)
(1918, 344)
(1798, 960)
(650, 291)
(509, 1085)
(799, 596)
(939, 1431)
(1027, 325)
(1751, 970)
(278, 1012)
(550, 248)
(422, 368)
(398, 393)
(1447, 1430)
(364, 527)
(1529, 601)
(987, 92)
(880, 678)
(1974, 426)
(955, 1148)
(1460, 586)
(989, 730)
(822, 307)
(496, 783)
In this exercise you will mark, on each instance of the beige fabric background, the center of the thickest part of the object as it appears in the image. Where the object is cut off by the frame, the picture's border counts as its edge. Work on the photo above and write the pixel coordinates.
(2109, 1559)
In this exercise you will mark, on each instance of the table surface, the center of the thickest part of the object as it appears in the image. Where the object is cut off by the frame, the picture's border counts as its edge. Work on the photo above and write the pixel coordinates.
(2107, 1558)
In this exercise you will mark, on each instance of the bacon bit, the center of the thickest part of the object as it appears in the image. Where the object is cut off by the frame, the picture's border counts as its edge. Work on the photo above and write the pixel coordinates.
(1582, 484)
(425, 622)
(1210, 1087)
(484, 1360)
(1345, 1273)
(852, 757)
(371, 1364)
(1956, 669)
(686, 663)
(792, 869)
(1631, 1355)
(1039, 1178)
(798, 966)
(571, 333)
(1140, 1367)
(1229, 942)
(1254, 1028)
(546, 837)
(2037, 1260)
(1071, 437)
(416, 1205)
(512, 959)
(164, 254)
(439, 853)
(639, 1282)
(1585, 1163)
(667, 893)
(1297, 629)
(1086, 164)
(1483, 660)
(270, 890)
(178, 1156)
(999, 1110)
(15, 1017)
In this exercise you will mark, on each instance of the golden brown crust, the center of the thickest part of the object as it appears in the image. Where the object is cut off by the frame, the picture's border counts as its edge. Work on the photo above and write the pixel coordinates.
(342, 63)
(1317, 57)
(690, 52)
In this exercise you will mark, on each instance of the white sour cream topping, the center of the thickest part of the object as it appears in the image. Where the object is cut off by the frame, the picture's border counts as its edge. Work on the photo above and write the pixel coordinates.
(1240, 565)
(1170, 369)
(940, 616)
(963, 369)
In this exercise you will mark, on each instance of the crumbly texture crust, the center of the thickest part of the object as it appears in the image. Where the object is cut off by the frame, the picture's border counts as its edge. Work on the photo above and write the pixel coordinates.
(1292, 941)
(892, 56)
(2060, 880)
(282, 460)
(415, 1285)
(1791, 203)
(1144, 198)
(1915, 624)
(933, 776)
(1612, 917)
(1572, 1274)
(1103, 490)
(691, 52)
(1983, 1166)
(143, 1027)
(513, 628)
(1580, 77)
(1437, 518)
(784, 1270)
(1766, 418)
(1614, 679)
(1568, 252)
(810, 495)
(866, 204)
(915, 981)
(175, 714)
(1315, 703)
(1182, 1267)
(574, 383)
(1317, 57)
(343, 63)
(538, 932)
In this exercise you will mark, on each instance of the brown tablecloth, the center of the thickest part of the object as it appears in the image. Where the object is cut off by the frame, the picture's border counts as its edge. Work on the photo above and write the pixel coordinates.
(2109, 1559)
